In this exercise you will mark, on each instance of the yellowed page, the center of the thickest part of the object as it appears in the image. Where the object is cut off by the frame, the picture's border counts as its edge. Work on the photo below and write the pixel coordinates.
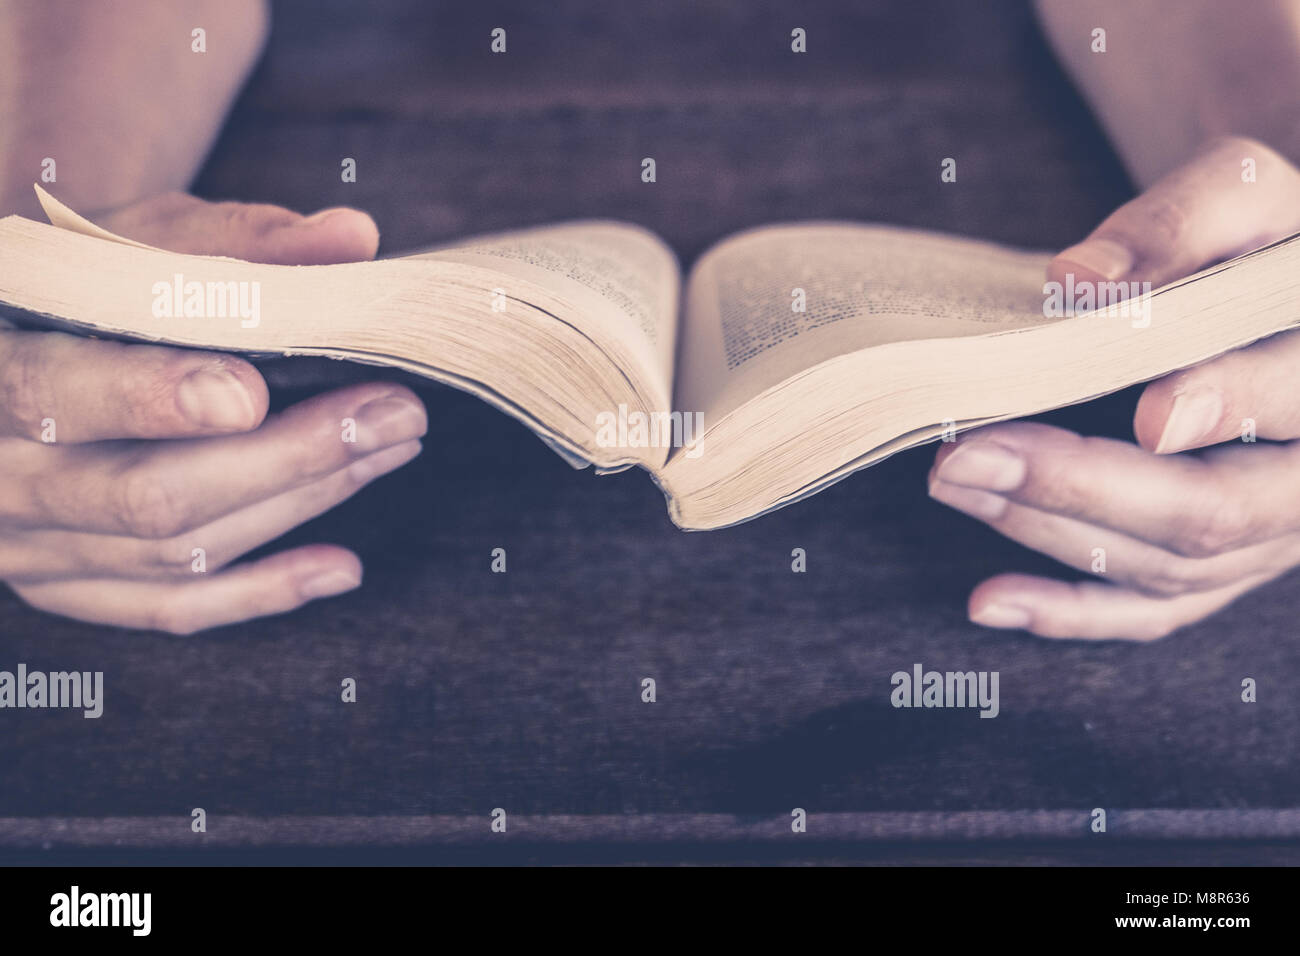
(862, 286)
(620, 284)
(622, 281)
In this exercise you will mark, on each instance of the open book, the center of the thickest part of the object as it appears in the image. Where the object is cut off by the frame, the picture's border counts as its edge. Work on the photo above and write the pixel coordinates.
(794, 355)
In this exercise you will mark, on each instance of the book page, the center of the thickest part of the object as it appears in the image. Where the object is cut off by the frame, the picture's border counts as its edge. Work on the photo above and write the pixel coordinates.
(769, 304)
(622, 281)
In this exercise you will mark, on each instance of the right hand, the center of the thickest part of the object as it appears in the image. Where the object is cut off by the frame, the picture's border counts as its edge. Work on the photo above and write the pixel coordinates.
(162, 451)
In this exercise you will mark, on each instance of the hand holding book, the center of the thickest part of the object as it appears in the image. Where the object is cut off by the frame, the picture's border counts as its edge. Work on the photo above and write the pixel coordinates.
(133, 474)
(1179, 536)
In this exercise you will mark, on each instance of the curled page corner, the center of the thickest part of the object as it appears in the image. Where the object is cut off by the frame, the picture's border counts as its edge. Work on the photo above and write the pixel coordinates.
(64, 218)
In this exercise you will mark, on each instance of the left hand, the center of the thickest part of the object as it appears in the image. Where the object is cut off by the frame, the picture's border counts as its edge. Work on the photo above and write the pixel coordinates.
(1183, 535)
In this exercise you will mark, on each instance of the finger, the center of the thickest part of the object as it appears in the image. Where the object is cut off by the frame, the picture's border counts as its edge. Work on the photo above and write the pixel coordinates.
(1248, 393)
(1091, 609)
(1200, 213)
(1195, 507)
(63, 388)
(272, 585)
(1119, 558)
(160, 490)
(47, 555)
(253, 232)
(233, 536)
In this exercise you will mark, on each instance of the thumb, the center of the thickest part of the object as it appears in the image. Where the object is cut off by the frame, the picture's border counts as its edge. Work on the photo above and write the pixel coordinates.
(1202, 212)
(255, 232)
(1247, 392)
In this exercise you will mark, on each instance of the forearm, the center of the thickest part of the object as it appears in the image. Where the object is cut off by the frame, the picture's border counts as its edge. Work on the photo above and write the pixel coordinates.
(114, 94)
(1176, 74)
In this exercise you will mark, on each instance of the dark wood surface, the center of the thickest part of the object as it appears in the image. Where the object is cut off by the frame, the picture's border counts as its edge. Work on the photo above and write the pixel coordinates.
(521, 690)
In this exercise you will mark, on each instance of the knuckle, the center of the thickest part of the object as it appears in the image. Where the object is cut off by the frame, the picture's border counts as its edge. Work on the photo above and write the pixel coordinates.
(174, 558)
(46, 501)
(1175, 575)
(239, 217)
(253, 219)
(1166, 578)
(1165, 223)
(150, 397)
(312, 448)
(1058, 482)
(25, 388)
(1224, 526)
(147, 507)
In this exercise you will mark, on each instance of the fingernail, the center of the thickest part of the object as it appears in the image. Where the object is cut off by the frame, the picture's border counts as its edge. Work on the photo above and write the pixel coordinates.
(387, 421)
(1195, 414)
(1001, 615)
(215, 399)
(328, 584)
(1108, 259)
(971, 501)
(983, 464)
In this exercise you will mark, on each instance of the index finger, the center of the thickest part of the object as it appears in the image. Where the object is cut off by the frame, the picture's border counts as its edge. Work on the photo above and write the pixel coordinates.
(64, 388)
(1192, 506)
